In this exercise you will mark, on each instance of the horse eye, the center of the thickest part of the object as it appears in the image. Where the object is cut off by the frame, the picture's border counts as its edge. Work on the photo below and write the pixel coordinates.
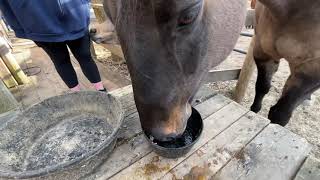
(189, 16)
(186, 20)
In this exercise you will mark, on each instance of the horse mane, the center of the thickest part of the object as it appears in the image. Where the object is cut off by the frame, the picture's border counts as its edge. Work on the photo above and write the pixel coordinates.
(283, 10)
(279, 8)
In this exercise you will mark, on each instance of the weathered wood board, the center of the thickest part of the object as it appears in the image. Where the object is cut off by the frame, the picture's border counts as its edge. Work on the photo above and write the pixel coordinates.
(211, 157)
(133, 145)
(97, 6)
(310, 170)
(6, 76)
(235, 144)
(276, 153)
(153, 167)
(222, 75)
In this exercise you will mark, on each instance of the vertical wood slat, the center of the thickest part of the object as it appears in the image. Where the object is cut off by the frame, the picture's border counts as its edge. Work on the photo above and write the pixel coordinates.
(98, 10)
(6, 76)
(245, 74)
(11, 63)
(3, 28)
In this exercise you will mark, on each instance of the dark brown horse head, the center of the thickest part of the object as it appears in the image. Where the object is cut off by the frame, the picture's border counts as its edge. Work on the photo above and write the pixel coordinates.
(169, 47)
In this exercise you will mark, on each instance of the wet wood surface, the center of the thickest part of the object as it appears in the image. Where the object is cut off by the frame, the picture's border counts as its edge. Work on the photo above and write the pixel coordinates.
(235, 144)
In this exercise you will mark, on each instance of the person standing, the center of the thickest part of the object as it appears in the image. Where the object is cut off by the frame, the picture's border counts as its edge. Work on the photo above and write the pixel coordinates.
(55, 25)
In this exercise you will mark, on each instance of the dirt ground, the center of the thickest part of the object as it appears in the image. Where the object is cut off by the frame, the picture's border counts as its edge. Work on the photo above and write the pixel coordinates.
(305, 120)
(115, 63)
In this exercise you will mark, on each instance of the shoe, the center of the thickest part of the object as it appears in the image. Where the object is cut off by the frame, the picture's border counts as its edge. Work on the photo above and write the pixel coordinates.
(103, 90)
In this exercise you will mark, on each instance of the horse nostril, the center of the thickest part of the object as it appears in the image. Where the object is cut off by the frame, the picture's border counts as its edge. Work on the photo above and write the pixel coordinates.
(167, 138)
(93, 31)
(170, 137)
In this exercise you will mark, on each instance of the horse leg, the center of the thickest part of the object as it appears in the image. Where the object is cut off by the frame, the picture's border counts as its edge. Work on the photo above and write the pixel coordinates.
(266, 69)
(303, 81)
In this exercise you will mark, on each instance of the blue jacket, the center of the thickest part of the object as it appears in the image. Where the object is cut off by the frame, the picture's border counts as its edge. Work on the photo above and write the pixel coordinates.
(47, 20)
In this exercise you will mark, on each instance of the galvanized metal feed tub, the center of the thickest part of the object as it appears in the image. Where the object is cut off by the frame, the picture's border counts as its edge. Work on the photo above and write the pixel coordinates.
(63, 137)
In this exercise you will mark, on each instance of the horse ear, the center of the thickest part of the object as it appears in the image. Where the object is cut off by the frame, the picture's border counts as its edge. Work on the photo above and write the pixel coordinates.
(279, 8)
(253, 4)
(111, 10)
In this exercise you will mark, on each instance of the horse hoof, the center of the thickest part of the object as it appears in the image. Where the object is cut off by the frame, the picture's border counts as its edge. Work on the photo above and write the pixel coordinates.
(255, 108)
(278, 117)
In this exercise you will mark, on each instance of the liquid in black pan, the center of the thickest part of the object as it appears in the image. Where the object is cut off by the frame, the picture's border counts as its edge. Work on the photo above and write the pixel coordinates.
(192, 132)
(187, 138)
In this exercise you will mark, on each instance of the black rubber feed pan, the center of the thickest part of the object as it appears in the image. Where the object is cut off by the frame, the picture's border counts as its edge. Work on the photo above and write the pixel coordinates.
(63, 137)
(181, 145)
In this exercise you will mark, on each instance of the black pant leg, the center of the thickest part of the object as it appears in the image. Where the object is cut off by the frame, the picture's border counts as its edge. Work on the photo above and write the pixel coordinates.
(81, 51)
(59, 54)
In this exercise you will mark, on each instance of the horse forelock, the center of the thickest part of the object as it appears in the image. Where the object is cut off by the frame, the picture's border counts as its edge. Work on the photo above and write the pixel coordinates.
(129, 14)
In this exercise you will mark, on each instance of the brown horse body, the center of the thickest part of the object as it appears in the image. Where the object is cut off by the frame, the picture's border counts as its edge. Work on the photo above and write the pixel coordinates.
(169, 47)
(288, 29)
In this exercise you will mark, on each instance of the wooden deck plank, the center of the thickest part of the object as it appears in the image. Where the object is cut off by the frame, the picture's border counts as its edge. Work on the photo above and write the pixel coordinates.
(213, 125)
(276, 153)
(127, 101)
(209, 105)
(137, 147)
(203, 94)
(130, 109)
(123, 156)
(223, 75)
(211, 157)
(121, 92)
(310, 170)
(130, 128)
(131, 125)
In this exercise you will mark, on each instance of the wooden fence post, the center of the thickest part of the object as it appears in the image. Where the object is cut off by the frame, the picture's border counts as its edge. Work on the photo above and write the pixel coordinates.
(4, 28)
(245, 75)
(97, 6)
(101, 17)
(11, 63)
(6, 76)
